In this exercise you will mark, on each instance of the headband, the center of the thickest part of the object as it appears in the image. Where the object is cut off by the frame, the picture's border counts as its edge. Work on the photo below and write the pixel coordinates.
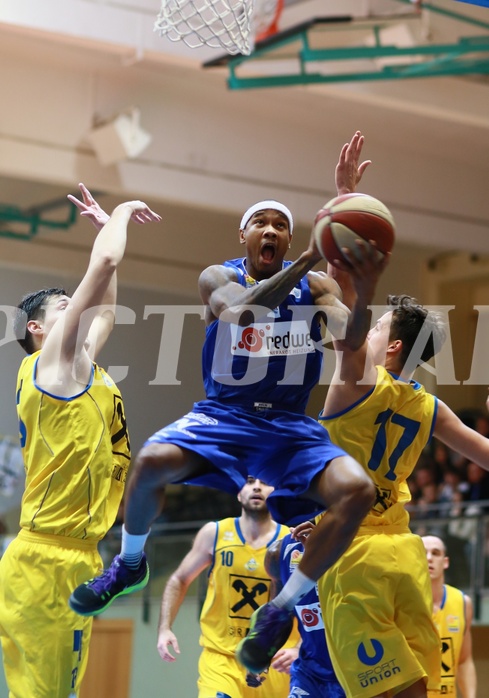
(261, 205)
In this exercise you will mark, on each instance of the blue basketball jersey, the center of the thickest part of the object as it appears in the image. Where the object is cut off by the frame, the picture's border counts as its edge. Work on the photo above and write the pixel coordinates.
(313, 649)
(277, 359)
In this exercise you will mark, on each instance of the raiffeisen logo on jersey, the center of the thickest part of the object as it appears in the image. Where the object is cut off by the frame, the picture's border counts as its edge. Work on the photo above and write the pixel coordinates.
(453, 624)
(272, 339)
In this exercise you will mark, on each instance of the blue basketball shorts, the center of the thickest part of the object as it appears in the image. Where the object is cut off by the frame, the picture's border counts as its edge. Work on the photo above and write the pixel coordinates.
(304, 685)
(283, 449)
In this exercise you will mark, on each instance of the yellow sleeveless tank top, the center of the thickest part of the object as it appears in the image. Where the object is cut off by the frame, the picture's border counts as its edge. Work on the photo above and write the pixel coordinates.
(450, 623)
(238, 585)
(386, 431)
(76, 455)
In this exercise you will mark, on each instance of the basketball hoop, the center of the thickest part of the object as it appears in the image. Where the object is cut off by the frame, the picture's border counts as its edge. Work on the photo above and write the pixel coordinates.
(233, 25)
(265, 18)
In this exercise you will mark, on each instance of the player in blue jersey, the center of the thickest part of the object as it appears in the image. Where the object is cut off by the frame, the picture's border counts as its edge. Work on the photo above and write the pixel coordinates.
(312, 673)
(262, 355)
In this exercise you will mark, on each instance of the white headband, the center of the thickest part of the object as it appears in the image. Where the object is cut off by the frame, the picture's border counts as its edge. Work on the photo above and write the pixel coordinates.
(262, 205)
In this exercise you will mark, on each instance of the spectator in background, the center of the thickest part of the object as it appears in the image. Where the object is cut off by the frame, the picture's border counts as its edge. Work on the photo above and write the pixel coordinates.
(478, 489)
(423, 475)
(452, 489)
(482, 424)
(441, 459)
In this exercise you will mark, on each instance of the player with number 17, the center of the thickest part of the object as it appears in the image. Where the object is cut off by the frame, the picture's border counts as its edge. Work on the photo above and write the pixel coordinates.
(377, 596)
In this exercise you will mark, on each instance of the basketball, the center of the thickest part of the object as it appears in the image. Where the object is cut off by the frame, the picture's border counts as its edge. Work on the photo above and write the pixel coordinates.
(350, 217)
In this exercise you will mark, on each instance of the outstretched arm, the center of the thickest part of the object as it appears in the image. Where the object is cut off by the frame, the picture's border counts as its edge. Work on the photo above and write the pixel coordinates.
(68, 336)
(460, 438)
(196, 560)
(92, 210)
(466, 675)
(103, 322)
(355, 370)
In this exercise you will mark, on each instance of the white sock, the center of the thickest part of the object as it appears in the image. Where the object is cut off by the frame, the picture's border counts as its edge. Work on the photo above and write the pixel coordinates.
(296, 587)
(132, 547)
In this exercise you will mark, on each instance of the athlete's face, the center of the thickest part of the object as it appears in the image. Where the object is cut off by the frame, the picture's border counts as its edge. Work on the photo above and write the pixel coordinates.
(378, 338)
(53, 310)
(253, 496)
(53, 307)
(436, 556)
(267, 238)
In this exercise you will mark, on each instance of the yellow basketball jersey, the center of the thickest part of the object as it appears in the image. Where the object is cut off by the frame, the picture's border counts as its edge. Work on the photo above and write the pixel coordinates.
(76, 455)
(450, 623)
(386, 431)
(238, 585)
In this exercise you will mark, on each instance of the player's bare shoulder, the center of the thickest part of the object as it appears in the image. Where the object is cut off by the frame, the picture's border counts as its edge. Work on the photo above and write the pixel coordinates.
(214, 277)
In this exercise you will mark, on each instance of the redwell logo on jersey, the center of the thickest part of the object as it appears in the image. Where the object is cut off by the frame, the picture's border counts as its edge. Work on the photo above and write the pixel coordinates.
(272, 339)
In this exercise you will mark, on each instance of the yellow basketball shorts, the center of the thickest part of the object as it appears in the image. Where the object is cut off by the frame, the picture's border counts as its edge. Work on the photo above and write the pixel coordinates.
(376, 603)
(221, 674)
(44, 643)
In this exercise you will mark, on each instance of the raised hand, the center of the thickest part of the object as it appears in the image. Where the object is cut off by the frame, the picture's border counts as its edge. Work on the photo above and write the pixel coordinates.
(90, 208)
(348, 172)
(141, 213)
(98, 217)
(364, 267)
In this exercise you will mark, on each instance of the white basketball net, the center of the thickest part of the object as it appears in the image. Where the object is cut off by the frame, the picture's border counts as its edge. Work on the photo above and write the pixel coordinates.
(223, 24)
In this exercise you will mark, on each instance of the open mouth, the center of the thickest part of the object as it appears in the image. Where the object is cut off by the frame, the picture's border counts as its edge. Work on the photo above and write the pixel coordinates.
(268, 252)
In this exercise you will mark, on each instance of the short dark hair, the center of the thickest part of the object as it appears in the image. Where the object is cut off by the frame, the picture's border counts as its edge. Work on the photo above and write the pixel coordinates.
(31, 307)
(408, 318)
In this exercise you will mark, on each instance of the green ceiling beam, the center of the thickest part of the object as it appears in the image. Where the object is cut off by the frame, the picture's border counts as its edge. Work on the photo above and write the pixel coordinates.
(30, 221)
(437, 69)
(465, 45)
(467, 56)
(449, 59)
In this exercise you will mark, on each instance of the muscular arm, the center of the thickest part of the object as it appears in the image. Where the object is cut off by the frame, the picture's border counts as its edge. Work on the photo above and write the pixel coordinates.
(466, 676)
(197, 559)
(218, 287)
(221, 292)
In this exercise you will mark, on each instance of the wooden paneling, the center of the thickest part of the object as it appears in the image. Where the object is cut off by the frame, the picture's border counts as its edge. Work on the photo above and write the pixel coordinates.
(480, 650)
(109, 662)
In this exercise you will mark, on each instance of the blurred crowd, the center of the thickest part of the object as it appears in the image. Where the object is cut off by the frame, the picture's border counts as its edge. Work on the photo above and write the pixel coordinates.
(448, 494)
(444, 484)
